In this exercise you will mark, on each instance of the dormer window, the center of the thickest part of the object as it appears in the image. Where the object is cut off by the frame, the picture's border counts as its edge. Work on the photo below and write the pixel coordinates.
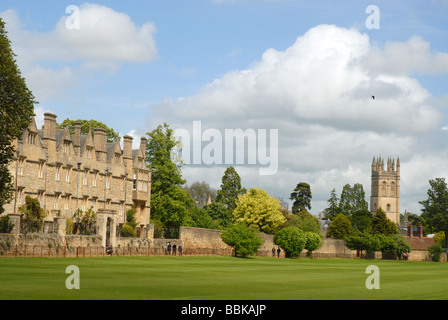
(32, 138)
(89, 152)
(66, 147)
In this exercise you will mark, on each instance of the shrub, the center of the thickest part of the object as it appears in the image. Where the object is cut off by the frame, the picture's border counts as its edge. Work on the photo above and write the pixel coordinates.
(127, 231)
(313, 242)
(242, 238)
(32, 216)
(436, 251)
(292, 240)
(5, 225)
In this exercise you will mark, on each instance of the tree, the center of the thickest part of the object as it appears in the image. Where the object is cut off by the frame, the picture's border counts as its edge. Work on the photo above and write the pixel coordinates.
(435, 207)
(16, 112)
(199, 218)
(352, 199)
(340, 227)
(230, 188)
(402, 245)
(313, 242)
(200, 191)
(333, 207)
(382, 225)
(361, 220)
(305, 221)
(219, 213)
(86, 125)
(292, 240)
(170, 203)
(259, 209)
(301, 197)
(357, 240)
(242, 238)
(32, 217)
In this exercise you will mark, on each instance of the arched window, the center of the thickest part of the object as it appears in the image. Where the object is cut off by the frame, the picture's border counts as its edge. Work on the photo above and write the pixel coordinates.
(388, 207)
(383, 188)
(392, 189)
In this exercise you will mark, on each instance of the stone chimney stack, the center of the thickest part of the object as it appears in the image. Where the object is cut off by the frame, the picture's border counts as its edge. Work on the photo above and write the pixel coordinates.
(99, 141)
(127, 146)
(77, 137)
(143, 145)
(49, 138)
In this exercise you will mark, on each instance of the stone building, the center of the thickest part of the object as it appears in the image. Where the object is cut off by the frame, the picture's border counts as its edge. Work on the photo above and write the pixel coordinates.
(385, 191)
(66, 172)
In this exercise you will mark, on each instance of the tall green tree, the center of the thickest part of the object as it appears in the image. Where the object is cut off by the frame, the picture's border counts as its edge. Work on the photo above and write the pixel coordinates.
(230, 188)
(111, 135)
(340, 227)
(16, 111)
(352, 199)
(170, 203)
(382, 225)
(333, 206)
(435, 207)
(301, 197)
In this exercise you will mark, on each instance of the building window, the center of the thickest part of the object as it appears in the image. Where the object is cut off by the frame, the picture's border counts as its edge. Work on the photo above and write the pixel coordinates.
(134, 183)
(67, 174)
(20, 166)
(107, 181)
(40, 172)
(67, 147)
(32, 138)
(19, 195)
(58, 172)
(56, 200)
(89, 153)
(95, 177)
(84, 177)
(67, 205)
(40, 196)
(388, 207)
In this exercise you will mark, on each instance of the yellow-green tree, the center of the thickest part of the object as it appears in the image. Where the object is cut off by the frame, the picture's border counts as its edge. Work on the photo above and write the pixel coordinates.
(259, 209)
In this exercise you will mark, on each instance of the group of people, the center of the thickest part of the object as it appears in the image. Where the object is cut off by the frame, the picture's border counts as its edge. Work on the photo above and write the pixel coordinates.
(278, 251)
(174, 248)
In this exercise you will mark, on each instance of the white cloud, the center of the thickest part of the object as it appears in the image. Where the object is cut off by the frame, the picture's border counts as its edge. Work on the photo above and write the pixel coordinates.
(404, 58)
(318, 94)
(54, 62)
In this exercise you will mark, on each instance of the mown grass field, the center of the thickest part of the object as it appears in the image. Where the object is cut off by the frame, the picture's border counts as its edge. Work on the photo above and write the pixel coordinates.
(220, 278)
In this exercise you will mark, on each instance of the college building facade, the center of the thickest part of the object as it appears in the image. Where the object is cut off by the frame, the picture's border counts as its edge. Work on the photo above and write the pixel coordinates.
(67, 172)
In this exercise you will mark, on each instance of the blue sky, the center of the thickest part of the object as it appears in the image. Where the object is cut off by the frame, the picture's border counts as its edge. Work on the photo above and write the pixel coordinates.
(147, 62)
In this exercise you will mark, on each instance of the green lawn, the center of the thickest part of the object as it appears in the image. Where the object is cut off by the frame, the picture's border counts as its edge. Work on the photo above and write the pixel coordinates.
(216, 278)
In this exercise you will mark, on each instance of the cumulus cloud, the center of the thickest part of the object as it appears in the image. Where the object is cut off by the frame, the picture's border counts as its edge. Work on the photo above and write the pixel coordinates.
(54, 61)
(318, 94)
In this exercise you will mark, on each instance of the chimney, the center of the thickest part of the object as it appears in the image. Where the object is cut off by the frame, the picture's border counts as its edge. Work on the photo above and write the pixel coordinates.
(77, 138)
(49, 138)
(127, 146)
(99, 141)
(420, 231)
(50, 126)
(410, 231)
(143, 145)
